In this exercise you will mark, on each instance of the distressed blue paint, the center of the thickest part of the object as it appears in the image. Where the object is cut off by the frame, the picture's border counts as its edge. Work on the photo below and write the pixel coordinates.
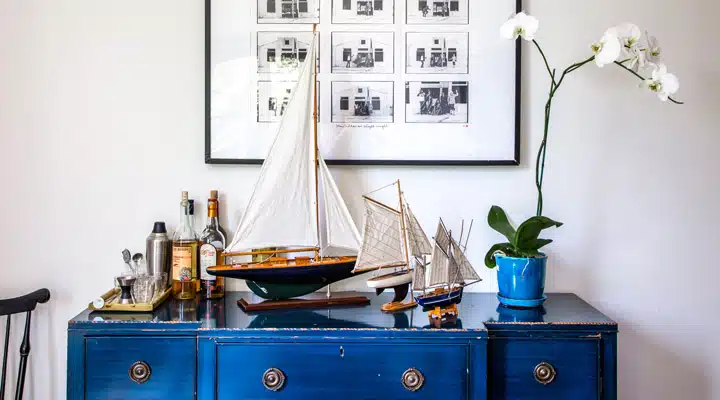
(512, 362)
(521, 278)
(609, 366)
(207, 361)
(486, 355)
(76, 366)
(108, 360)
(334, 371)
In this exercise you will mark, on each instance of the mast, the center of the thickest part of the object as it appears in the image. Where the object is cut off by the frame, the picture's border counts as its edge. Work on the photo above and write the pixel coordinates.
(315, 138)
(402, 224)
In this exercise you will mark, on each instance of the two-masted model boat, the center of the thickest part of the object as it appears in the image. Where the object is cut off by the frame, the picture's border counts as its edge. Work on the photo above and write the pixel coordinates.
(439, 285)
(392, 240)
(295, 209)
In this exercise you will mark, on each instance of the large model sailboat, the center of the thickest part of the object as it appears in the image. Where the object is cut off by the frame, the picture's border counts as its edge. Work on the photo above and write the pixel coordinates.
(285, 212)
(441, 283)
(392, 239)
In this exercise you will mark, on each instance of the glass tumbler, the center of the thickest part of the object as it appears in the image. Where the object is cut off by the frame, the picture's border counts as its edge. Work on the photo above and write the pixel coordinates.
(144, 289)
(161, 283)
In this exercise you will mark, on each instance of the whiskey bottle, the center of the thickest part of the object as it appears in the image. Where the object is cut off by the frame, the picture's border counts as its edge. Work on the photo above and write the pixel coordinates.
(185, 255)
(213, 243)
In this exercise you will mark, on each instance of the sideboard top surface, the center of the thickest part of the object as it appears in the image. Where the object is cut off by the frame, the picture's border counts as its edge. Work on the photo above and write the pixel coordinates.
(478, 312)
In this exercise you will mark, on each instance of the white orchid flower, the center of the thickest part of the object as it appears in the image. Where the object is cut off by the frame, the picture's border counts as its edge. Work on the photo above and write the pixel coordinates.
(637, 58)
(629, 35)
(520, 25)
(652, 52)
(607, 49)
(662, 82)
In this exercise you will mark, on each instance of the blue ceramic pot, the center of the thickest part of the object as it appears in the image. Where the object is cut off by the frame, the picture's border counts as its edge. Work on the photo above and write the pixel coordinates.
(521, 278)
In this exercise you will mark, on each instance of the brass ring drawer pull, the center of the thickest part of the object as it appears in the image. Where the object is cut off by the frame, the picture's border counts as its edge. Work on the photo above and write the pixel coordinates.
(413, 380)
(544, 373)
(140, 372)
(273, 379)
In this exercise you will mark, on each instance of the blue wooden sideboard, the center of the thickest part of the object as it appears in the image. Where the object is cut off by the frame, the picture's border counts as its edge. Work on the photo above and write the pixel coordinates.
(212, 350)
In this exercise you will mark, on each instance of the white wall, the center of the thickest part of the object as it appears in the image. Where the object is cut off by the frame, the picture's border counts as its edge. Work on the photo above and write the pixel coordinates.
(101, 126)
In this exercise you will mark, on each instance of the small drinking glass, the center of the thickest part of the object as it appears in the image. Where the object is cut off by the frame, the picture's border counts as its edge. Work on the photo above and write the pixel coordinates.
(144, 289)
(160, 280)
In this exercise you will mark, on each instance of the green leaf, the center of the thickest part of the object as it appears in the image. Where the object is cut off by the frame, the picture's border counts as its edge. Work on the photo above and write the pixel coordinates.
(528, 232)
(506, 248)
(498, 220)
(537, 244)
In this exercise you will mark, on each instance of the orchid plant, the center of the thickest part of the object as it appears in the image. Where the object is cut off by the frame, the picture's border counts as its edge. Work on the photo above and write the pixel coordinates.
(623, 46)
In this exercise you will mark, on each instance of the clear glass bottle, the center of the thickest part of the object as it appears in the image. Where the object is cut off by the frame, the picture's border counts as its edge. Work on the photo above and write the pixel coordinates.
(185, 254)
(213, 244)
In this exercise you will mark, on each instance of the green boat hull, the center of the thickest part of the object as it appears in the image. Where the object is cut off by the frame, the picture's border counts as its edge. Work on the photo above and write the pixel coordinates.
(283, 291)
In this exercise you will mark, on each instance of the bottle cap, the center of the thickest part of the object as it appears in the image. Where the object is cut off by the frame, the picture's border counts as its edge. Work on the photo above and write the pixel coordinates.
(213, 194)
(159, 227)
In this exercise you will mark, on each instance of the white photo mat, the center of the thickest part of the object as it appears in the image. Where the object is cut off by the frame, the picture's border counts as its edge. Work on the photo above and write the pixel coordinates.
(476, 123)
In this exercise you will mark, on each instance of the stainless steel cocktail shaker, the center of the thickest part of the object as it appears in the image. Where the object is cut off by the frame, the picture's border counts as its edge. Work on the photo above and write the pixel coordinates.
(158, 247)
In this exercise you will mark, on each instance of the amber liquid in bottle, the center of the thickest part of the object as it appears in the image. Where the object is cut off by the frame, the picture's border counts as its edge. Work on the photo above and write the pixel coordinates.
(213, 244)
(185, 255)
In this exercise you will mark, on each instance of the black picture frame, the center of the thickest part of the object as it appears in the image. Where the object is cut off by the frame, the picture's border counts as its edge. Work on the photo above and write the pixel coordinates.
(515, 161)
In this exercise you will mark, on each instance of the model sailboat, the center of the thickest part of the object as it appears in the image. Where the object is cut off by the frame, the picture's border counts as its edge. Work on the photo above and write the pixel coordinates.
(285, 211)
(440, 284)
(392, 239)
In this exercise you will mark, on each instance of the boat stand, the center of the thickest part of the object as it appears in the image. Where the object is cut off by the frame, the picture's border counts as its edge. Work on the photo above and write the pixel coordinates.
(397, 304)
(443, 315)
(315, 300)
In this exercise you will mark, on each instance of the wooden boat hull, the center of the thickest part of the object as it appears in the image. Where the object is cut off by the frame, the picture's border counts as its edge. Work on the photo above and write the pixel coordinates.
(288, 279)
(445, 299)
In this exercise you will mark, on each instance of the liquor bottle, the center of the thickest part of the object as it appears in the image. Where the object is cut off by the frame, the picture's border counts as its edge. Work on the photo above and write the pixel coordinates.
(213, 243)
(185, 255)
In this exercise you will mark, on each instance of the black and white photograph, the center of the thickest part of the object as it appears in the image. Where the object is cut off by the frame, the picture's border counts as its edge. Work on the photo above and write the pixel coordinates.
(288, 11)
(273, 98)
(437, 53)
(283, 52)
(363, 52)
(363, 102)
(363, 11)
(438, 11)
(436, 102)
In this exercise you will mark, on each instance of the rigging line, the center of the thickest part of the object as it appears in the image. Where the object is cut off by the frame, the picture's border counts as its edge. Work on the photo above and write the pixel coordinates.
(467, 239)
(384, 187)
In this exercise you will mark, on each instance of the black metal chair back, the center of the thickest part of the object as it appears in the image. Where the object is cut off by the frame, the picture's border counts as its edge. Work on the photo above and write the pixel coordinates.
(23, 304)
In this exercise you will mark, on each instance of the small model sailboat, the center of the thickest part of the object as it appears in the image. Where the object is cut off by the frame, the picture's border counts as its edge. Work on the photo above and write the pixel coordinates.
(440, 284)
(285, 212)
(392, 239)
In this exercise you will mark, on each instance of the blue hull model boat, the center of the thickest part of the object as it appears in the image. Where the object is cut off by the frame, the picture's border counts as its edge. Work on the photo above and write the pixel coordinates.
(440, 284)
(442, 299)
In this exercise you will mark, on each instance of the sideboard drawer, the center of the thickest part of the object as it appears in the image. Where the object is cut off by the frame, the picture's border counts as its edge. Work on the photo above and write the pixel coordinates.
(536, 369)
(140, 368)
(337, 371)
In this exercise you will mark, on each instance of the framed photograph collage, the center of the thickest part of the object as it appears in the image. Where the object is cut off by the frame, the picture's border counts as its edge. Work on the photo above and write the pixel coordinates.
(400, 82)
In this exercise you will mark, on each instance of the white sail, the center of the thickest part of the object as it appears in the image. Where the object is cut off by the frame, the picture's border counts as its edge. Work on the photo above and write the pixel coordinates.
(466, 271)
(382, 244)
(340, 233)
(417, 240)
(282, 210)
(419, 277)
(439, 268)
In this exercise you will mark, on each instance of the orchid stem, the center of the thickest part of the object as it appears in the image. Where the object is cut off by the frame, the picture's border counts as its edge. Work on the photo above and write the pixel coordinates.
(542, 151)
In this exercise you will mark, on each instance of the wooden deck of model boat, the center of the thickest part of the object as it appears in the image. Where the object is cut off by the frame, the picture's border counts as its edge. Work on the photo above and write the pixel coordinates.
(278, 262)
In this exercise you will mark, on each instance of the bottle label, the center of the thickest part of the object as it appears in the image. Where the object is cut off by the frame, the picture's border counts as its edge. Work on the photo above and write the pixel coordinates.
(182, 263)
(208, 258)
